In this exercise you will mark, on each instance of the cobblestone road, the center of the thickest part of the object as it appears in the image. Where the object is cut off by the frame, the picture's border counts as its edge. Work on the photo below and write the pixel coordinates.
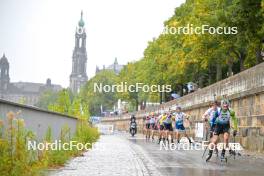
(126, 156)
(111, 155)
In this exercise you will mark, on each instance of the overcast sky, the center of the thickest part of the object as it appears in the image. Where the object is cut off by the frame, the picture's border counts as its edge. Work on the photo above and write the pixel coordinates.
(37, 36)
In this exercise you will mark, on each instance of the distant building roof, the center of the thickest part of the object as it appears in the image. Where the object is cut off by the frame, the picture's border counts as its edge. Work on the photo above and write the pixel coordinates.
(28, 87)
(115, 67)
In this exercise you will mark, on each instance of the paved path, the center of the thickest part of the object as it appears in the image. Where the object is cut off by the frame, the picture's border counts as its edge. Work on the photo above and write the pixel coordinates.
(111, 156)
(186, 163)
(126, 156)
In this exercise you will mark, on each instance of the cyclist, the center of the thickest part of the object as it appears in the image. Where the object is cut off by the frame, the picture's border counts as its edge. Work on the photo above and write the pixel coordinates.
(179, 119)
(224, 119)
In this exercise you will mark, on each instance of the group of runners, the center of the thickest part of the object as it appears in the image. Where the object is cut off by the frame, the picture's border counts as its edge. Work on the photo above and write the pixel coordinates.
(218, 119)
(163, 124)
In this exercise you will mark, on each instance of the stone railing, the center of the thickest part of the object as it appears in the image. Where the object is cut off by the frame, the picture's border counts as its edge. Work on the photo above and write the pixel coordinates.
(246, 93)
(250, 81)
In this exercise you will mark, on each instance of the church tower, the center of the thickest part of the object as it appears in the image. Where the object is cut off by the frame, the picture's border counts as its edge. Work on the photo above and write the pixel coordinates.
(4, 74)
(78, 76)
(115, 65)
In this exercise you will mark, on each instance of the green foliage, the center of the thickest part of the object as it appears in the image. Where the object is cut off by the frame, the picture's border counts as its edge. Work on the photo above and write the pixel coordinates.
(62, 103)
(74, 105)
(47, 98)
(22, 100)
(85, 133)
(48, 136)
(17, 160)
(95, 99)
(176, 59)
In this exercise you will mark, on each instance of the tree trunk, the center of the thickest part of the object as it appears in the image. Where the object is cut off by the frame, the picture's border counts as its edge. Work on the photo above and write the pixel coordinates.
(141, 105)
(160, 95)
(181, 88)
(137, 103)
(201, 80)
(242, 58)
(258, 57)
(218, 71)
(144, 104)
(210, 75)
(230, 65)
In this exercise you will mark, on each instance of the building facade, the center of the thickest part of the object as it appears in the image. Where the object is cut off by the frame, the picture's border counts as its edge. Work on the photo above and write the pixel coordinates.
(115, 67)
(21, 92)
(78, 76)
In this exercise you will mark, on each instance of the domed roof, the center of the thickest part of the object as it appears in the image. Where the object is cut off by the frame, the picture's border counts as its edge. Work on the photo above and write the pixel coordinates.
(81, 22)
(3, 60)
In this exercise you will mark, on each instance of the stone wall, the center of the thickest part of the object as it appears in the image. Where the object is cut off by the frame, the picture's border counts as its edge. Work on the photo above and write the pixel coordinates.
(38, 120)
(246, 93)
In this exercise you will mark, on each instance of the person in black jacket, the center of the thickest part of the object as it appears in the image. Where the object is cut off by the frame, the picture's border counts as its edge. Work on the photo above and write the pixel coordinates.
(132, 120)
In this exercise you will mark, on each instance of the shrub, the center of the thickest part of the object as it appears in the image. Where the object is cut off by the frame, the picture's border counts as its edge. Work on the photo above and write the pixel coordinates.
(16, 159)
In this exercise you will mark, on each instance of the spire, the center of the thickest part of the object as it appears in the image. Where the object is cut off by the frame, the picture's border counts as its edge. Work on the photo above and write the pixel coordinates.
(3, 60)
(97, 69)
(116, 63)
(81, 22)
(4, 57)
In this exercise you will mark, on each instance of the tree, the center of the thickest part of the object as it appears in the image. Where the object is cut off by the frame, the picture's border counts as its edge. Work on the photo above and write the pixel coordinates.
(47, 98)
(95, 99)
(62, 103)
